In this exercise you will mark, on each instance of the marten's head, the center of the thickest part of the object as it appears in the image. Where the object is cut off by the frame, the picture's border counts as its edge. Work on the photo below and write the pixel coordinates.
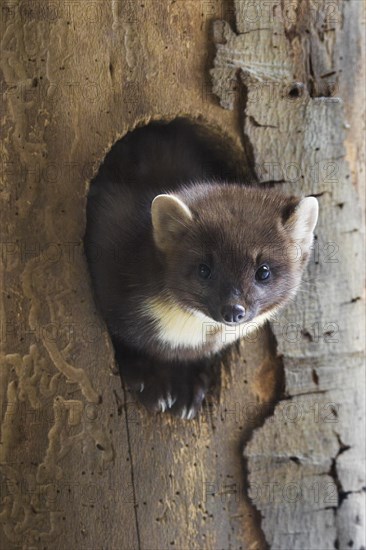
(233, 253)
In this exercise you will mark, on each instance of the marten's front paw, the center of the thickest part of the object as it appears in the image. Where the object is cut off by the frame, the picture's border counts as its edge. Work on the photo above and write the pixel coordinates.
(179, 393)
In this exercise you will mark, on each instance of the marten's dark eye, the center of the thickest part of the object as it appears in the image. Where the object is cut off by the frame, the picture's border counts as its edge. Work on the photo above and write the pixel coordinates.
(263, 273)
(204, 271)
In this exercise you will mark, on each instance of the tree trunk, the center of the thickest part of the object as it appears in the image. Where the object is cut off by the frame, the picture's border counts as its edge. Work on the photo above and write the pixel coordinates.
(278, 460)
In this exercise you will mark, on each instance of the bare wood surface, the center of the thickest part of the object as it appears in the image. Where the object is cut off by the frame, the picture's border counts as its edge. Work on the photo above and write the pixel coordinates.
(82, 466)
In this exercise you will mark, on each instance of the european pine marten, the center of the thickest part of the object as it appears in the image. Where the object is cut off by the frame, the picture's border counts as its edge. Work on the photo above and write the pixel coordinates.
(185, 259)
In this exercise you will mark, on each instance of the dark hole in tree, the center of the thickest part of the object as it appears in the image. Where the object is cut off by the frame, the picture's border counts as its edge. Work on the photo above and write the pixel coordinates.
(136, 162)
(296, 90)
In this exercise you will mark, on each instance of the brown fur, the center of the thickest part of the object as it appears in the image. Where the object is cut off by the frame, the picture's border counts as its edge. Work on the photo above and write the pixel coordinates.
(145, 274)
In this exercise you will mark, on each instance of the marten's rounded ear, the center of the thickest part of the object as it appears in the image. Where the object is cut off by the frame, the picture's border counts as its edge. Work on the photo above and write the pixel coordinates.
(170, 216)
(302, 222)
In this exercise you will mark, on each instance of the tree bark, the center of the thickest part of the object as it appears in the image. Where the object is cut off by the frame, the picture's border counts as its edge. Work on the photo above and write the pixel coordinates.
(300, 101)
(277, 459)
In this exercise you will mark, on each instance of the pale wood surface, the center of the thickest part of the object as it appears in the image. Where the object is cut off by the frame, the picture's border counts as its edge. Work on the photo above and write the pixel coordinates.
(307, 462)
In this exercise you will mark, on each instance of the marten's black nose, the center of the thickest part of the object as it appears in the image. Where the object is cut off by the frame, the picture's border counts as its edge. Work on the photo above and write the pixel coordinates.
(233, 314)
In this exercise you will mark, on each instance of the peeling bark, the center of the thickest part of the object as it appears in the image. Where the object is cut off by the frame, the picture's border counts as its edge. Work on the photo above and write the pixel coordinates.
(307, 459)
